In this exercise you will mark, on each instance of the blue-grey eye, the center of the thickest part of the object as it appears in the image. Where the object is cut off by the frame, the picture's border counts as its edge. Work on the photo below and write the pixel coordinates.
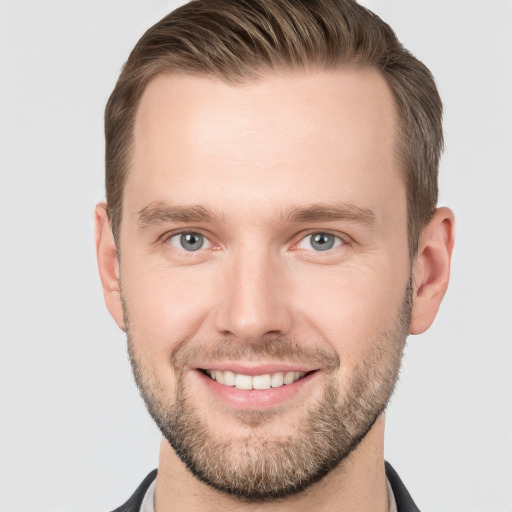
(320, 242)
(188, 241)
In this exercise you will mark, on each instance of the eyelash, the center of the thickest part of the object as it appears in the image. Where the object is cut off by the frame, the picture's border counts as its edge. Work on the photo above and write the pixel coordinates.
(168, 237)
(339, 241)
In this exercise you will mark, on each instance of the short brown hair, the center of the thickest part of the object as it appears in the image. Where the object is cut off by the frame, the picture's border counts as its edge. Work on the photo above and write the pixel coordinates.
(239, 40)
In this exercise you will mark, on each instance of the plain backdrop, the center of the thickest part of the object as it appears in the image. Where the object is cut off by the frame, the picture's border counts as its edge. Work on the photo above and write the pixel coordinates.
(74, 434)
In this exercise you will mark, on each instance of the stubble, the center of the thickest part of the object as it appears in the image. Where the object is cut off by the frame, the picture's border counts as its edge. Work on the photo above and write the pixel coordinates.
(258, 466)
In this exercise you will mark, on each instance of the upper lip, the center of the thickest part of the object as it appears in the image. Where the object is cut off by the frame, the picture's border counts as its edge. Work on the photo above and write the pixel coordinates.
(257, 368)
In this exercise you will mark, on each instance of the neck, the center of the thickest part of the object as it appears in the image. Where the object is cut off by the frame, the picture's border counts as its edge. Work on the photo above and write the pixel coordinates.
(358, 483)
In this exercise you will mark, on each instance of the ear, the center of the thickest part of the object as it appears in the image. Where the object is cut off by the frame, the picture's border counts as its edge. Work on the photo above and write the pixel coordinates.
(431, 270)
(108, 264)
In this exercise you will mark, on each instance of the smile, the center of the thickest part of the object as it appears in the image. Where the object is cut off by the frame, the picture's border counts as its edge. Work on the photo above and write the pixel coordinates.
(248, 382)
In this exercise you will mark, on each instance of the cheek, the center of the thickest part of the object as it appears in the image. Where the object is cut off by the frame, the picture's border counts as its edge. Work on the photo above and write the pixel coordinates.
(165, 305)
(351, 307)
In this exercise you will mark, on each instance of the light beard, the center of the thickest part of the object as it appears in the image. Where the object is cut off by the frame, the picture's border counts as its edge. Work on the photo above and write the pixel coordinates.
(258, 466)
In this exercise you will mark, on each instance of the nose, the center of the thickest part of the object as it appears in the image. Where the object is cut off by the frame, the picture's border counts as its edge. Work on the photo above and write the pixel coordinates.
(254, 297)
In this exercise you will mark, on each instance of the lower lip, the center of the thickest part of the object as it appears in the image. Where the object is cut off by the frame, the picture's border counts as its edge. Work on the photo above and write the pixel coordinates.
(255, 398)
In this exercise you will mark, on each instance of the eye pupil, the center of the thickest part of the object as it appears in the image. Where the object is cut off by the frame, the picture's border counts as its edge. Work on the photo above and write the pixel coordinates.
(322, 241)
(191, 241)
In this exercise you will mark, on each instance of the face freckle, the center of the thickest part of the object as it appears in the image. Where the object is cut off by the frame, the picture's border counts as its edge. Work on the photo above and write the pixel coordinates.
(309, 281)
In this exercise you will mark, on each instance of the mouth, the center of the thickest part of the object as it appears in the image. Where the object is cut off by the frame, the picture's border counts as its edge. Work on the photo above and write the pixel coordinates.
(254, 385)
(255, 382)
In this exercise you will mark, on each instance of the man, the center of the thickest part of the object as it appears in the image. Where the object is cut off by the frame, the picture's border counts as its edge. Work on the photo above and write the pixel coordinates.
(269, 240)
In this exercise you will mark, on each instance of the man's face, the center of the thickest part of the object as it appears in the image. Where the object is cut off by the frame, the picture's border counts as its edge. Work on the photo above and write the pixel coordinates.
(264, 244)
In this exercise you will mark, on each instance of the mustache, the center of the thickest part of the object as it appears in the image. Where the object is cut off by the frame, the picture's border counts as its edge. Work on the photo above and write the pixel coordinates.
(270, 349)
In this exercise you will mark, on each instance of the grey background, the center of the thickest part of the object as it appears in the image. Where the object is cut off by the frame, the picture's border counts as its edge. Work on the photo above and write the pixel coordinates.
(74, 434)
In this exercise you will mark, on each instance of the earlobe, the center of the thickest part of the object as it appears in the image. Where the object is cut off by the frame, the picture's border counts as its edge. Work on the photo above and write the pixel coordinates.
(431, 270)
(108, 264)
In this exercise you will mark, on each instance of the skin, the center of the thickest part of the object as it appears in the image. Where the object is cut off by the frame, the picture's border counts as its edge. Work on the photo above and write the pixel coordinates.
(250, 154)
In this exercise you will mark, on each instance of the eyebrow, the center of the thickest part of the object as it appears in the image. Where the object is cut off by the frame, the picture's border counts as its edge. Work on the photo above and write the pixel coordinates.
(329, 213)
(158, 213)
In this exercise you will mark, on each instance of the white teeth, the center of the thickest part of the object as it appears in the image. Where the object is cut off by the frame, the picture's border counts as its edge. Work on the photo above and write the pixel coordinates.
(277, 380)
(219, 377)
(229, 378)
(289, 377)
(265, 381)
(261, 381)
(243, 381)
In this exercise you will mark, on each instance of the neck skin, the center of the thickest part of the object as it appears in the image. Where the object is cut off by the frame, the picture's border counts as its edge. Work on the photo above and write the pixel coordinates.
(359, 483)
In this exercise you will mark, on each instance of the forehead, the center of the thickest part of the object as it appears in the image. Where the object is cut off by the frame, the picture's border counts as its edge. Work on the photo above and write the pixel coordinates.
(315, 136)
